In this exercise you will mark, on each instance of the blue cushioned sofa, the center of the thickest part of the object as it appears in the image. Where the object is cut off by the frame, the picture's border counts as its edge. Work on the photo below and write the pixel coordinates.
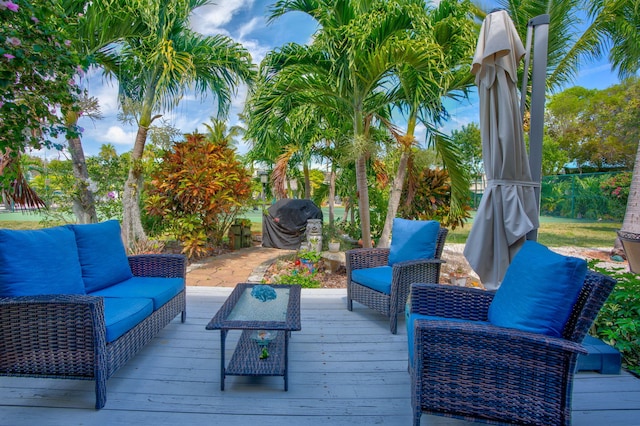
(73, 305)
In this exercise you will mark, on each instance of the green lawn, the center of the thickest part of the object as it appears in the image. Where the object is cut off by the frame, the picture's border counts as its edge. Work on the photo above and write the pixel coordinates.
(553, 232)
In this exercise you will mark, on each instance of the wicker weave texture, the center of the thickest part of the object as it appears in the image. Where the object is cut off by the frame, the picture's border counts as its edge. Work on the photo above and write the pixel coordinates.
(403, 275)
(63, 336)
(477, 371)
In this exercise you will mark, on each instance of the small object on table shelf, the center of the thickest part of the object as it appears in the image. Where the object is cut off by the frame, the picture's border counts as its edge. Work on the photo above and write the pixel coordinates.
(262, 337)
(264, 354)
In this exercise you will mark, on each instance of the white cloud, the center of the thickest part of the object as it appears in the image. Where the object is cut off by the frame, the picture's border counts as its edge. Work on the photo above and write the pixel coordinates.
(208, 19)
(118, 136)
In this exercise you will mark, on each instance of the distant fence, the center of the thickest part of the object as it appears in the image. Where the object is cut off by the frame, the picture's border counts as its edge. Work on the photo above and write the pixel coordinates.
(591, 196)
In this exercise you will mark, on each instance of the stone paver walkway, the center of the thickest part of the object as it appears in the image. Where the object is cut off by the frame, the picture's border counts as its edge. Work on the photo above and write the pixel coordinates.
(226, 270)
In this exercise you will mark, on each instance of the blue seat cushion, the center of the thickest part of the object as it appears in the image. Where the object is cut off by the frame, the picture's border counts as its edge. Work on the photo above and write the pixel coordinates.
(411, 318)
(412, 240)
(378, 278)
(159, 290)
(102, 255)
(538, 291)
(121, 315)
(43, 261)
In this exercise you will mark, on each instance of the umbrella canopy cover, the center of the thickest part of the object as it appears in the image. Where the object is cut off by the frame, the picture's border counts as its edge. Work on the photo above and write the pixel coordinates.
(508, 209)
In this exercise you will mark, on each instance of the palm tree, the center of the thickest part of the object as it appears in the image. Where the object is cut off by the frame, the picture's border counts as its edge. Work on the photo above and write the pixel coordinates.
(449, 32)
(218, 131)
(157, 69)
(353, 58)
(101, 25)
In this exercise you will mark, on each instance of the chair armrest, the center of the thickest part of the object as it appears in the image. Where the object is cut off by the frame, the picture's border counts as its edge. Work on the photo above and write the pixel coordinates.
(52, 334)
(366, 258)
(450, 302)
(473, 348)
(159, 265)
(416, 271)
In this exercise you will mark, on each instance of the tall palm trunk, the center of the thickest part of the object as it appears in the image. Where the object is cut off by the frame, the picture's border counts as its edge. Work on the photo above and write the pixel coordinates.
(361, 178)
(84, 207)
(131, 222)
(332, 195)
(631, 222)
(132, 230)
(307, 180)
(395, 192)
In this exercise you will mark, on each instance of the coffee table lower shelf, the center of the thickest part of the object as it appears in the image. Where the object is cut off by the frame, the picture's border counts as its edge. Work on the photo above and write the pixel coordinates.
(246, 359)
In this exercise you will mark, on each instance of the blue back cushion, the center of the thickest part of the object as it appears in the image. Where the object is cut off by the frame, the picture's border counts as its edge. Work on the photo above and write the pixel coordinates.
(539, 290)
(102, 255)
(43, 261)
(413, 239)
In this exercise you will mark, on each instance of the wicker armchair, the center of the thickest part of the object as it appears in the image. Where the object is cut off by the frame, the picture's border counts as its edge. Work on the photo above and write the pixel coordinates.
(403, 275)
(467, 368)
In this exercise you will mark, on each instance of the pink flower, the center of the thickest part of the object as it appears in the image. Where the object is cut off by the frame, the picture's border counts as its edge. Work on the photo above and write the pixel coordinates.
(9, 56)
(35, 20)
(14, 41)
(67, 43)
(9, 5)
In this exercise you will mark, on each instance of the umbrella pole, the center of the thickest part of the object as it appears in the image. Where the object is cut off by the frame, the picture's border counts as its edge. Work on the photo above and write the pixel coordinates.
(540, 25)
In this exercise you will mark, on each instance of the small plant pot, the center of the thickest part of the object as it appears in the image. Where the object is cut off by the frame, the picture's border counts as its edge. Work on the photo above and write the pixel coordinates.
(458, 281)
(334, 247)
(308, 264)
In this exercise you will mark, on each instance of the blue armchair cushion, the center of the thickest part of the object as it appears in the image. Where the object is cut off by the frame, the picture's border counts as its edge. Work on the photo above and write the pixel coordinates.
(538, 291)
(121, 315)
(159, 290)
(378, 278)
(411, 319)
(412, 240)
(43, 261)
(102, 254)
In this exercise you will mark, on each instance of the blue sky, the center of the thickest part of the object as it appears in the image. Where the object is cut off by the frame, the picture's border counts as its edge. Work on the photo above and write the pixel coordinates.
(245, 22)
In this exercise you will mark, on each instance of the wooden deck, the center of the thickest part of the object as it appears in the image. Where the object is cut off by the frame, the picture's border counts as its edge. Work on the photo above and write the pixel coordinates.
(346, 369)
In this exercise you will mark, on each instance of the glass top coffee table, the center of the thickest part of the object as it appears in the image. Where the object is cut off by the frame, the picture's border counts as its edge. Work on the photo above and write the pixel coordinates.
(263, 348)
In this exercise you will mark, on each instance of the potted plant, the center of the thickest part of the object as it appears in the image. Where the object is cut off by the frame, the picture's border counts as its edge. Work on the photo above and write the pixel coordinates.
(334, 245)
(458, 277)
(309, 258)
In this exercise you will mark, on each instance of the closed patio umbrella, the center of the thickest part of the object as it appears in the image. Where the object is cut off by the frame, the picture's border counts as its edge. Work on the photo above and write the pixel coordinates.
(508, 209)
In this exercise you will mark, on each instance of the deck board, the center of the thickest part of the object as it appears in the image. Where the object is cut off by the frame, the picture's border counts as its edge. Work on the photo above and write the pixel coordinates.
(345, 369)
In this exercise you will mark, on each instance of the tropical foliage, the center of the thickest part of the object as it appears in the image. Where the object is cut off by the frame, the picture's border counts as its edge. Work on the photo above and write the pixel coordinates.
(198, 189)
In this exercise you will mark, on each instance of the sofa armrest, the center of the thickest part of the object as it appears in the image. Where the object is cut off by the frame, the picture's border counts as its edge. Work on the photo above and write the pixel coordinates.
(366, 258)
(52, 335)
(450, 302)
(159, 265)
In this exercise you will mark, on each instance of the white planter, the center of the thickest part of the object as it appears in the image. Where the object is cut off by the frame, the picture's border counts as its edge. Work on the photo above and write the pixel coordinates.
(334, 247)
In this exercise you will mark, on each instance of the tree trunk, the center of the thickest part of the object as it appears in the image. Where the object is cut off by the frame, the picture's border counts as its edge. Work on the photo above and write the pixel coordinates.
(631, 222)
(332, 195)
(84, 207)
(132, 230)
(361, 176)
(394, 198)
(363, 200)
(307, 180)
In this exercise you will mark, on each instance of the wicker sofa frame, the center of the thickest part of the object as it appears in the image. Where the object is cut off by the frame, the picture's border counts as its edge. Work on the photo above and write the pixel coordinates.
(480, 372)
(64, 336)
(404, 274)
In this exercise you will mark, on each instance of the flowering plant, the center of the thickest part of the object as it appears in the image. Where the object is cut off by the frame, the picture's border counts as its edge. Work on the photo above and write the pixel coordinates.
(37, 69)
